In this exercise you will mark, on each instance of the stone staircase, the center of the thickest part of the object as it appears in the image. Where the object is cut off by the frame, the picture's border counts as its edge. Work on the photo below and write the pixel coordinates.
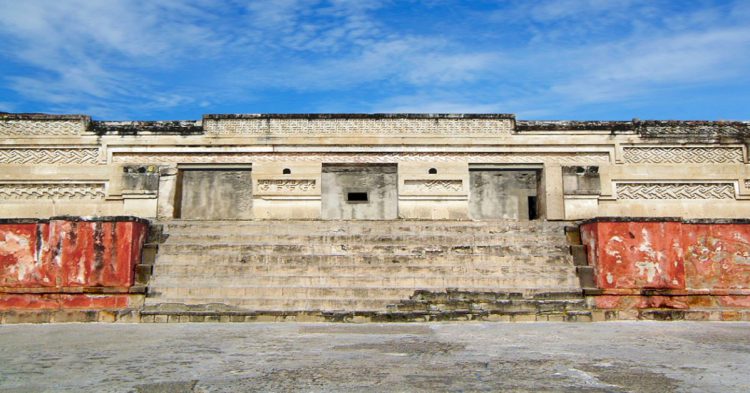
(363, 270)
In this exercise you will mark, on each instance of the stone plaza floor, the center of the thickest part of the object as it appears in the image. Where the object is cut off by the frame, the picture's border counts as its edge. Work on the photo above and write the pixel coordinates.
(317, 357)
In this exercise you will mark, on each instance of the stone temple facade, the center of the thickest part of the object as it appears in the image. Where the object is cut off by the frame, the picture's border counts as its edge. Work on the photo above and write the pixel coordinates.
(367, 217)
(342, 166)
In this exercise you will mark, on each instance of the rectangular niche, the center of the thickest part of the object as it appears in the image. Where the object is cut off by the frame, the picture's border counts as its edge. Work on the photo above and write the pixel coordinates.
(359, 192)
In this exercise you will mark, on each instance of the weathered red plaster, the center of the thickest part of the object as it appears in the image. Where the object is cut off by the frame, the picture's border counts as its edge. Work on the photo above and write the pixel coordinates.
(67, 256)
(635, 254)
(58, 301)
(669, 264)
(627, 302)
(717, 255)
(735, 301)
(21, 247)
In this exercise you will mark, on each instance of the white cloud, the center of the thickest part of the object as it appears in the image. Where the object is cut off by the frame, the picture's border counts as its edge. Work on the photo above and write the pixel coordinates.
(123, 58)
(89, 51)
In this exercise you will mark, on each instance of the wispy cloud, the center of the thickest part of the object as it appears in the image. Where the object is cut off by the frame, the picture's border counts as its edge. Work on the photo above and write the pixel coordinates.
(565, 58)
(85, 52)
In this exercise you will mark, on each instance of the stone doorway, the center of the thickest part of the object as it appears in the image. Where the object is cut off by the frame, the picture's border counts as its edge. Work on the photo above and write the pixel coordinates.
(359, 192)
(504, 193)
(214, 193)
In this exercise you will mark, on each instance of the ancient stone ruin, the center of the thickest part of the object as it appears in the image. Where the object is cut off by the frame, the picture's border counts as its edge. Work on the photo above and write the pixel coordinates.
(372, 217)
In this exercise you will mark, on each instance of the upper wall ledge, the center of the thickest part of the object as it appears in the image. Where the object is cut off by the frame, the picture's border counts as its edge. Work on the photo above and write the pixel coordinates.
(360, 124)
(318, 116)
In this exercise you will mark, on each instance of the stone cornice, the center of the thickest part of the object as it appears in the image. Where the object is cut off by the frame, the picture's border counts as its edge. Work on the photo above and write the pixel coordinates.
(316, 116)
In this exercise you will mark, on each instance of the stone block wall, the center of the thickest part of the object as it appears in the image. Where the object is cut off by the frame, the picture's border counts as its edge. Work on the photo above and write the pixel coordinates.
(69, 164)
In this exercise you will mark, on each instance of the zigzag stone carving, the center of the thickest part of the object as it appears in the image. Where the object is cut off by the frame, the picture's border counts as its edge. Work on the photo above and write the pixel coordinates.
(48, 156)
(675, 191)
(432, 185)
(285, 185)
(41, 127)
(26, 191)
(563, 158)
(689, 155)
(358, 127)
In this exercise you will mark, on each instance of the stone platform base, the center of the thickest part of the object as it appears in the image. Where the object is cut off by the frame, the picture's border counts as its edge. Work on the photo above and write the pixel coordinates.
(57, 316)
(671, 315)
(136, 316)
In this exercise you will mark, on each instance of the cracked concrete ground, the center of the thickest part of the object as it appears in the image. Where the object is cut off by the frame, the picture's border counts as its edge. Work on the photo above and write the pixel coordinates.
(280, 357)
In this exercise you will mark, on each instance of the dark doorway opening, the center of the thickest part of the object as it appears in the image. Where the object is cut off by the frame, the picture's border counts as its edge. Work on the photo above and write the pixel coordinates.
(533, 213)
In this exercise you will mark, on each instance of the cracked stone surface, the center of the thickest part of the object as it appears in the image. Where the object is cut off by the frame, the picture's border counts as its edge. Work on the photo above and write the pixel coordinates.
(281, 357)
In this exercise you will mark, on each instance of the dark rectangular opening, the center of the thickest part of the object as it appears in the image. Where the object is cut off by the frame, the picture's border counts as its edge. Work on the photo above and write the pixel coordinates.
(533, 214)
(356, 197)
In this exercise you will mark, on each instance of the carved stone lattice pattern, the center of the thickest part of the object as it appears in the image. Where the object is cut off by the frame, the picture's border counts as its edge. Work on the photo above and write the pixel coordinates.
(697, 128)
(689, 155)
(48, 156)
(675, 191)
(285, 185)
(530, 158)
(41, 128)
(52, 191)
(358, 127)
(434, 185)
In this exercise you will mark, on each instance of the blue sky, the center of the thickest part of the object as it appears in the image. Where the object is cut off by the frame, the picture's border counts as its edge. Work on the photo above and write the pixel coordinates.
(564, 59)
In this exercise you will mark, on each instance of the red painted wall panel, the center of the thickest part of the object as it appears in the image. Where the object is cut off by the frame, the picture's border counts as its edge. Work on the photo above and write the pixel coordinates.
(64, 253)
(630, 255)
(57, 301)
(668, 255)
(717, 256)
(21, 257)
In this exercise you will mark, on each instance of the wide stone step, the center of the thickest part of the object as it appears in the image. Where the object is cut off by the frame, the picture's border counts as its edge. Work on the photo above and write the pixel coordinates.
(369, 223)
(223, 271)
(388, 231)
(345, 238)
(273, 259)
(552, 279)
(363, 227)
(508, 306)
(235, 305)
(287, 292)
(278, 304)
(465, 249)
(382, 271)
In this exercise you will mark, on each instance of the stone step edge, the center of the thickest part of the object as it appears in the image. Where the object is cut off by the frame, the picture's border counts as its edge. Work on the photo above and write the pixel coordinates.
(227, 253)
(389, 302)
(358, 260)
(365, 316)
(397, 237)
(598, 316)
(442, 245)
(396, 221)
(512, 293)
(435, 291)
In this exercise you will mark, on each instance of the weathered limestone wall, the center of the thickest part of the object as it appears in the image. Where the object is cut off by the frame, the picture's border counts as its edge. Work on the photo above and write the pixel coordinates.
(216, 194)
(441, 195)
(286, 190)
(502, 194)
(376, 186)
(69, 164)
